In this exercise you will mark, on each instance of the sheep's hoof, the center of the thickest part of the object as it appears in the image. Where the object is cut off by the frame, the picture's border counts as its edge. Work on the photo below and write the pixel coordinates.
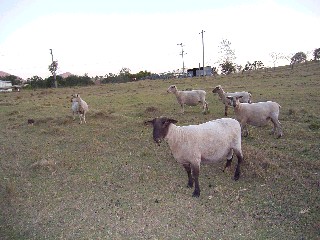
(190, 185)
(196, 194)
(236, 176)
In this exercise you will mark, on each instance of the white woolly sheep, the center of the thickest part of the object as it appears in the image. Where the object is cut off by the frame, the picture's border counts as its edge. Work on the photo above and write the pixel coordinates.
(190, 98)
(257, 114)
(246, 97)
(208, 143)
(80, 107)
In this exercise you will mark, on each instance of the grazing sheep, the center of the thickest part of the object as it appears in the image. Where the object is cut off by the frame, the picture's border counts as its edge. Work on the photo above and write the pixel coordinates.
(208, 143)
(257, 114)
(246, 97)
(80, 107)
(190, 98)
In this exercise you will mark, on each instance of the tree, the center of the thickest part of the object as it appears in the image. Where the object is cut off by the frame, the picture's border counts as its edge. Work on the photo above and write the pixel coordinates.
(227, 67)
(125, 75)
(299, 57)
(53, 68)
(316, 54)
(226, 53)
(36, 82)
(227, 57)
(257, 65)
(275, 57)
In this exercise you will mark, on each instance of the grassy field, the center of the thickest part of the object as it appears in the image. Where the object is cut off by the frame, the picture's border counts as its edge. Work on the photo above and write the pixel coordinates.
(108, 180)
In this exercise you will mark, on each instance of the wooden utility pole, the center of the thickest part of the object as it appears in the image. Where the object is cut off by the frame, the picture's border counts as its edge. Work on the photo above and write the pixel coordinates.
(182, 53)
(202, 51)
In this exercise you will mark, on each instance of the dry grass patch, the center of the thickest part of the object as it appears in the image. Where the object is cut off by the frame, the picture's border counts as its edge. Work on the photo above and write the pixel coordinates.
(107, 179)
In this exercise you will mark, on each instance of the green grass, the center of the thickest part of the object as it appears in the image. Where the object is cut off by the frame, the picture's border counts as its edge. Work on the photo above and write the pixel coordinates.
(108, 180)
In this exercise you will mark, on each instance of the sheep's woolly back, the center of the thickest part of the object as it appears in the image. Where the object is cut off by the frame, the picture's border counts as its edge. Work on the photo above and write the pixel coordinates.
(256, 114)
(246, 96)
(208, 142)
(83, 106)
(79, 106)
(190, 98)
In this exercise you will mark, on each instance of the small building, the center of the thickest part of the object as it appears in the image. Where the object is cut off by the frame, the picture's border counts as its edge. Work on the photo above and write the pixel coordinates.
(5, 86)
(197, 72)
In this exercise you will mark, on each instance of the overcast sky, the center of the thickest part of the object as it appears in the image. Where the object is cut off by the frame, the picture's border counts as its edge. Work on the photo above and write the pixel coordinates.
(103, 36)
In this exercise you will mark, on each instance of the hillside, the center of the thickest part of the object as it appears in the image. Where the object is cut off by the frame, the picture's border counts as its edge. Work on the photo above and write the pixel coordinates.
(107, 179)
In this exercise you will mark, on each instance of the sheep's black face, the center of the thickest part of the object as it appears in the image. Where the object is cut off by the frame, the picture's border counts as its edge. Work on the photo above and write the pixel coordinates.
(216, 89)
(160, 128)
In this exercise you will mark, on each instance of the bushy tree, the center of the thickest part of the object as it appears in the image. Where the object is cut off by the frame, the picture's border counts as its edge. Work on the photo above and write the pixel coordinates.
(316, 54)
(37, 82)
(299, 57)
(227, 67)
(227, 57)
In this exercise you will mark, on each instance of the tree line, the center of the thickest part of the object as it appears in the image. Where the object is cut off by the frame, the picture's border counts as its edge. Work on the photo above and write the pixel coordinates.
(227, 59)
(226, 63)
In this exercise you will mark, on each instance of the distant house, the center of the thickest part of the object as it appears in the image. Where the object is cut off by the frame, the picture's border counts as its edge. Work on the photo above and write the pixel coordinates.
(5, 86)
(196, 72)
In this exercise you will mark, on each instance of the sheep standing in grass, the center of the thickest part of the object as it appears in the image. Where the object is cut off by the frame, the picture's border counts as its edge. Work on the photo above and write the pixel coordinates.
(80, 107)
(257, 114)
(208, 143)
(246, 97)
(190, 98)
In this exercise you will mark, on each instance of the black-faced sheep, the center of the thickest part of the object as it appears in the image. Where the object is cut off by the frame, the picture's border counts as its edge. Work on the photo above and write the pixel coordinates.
(246, 97)
(257, 114)
(208, 143)
(190, 98)
(80, 107)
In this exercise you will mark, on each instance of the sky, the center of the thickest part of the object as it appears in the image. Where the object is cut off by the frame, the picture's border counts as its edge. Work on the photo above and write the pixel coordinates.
(99, 37)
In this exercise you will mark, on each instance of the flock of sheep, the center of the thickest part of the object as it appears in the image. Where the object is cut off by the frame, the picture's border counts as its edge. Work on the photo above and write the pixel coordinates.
(208, 142)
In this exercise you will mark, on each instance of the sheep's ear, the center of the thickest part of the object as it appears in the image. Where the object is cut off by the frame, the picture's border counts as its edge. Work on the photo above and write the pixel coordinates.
(169, 120)
(149, 122)
(229, 97)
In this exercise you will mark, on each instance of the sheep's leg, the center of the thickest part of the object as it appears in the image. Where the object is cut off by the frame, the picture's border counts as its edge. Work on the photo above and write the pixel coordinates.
(229, 160)
(187, 167)
(84, 118)
(226, 110)
(182, 108)
(240, 158)
(228, 164)
(80, 117)
(276, 126)
(244, 129)
(205, 107)
(195, 174)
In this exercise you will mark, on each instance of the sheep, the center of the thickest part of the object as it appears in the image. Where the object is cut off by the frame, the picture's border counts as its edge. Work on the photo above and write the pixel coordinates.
(190, 98)
(79, 106)
(223, 97)
(257, 114)
(208, 143)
